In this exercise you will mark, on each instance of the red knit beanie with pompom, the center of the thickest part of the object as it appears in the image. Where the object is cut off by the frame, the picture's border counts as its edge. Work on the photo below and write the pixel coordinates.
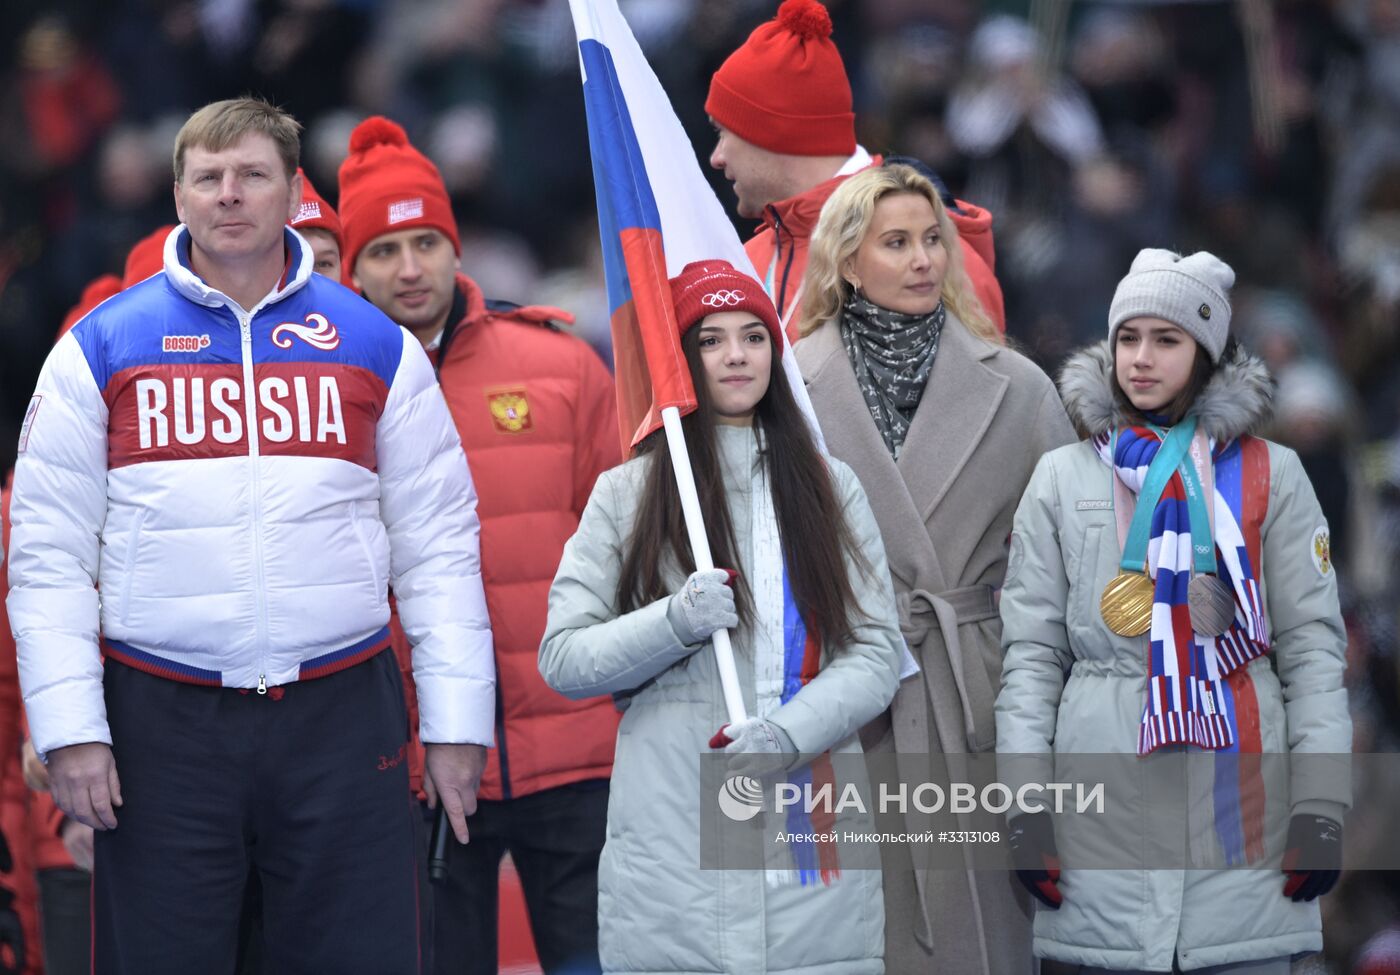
(386, 186)
(785, 88)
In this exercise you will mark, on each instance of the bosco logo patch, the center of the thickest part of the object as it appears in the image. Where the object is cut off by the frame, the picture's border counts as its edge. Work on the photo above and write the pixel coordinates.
(308, 210)
(1321, 550)
(510, 410)
(184, 343)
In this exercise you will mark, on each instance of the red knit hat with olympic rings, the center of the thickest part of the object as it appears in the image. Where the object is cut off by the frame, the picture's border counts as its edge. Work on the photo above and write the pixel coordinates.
(707, 287)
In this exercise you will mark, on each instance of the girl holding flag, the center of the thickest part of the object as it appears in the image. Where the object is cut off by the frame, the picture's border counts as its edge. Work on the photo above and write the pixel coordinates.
(817, 646)
(1170, 589)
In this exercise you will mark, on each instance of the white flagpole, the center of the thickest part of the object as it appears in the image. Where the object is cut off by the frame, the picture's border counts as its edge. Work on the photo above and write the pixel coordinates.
(700, 548)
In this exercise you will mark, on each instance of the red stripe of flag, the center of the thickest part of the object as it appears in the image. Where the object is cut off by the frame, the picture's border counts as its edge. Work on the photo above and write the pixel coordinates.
(651, 369)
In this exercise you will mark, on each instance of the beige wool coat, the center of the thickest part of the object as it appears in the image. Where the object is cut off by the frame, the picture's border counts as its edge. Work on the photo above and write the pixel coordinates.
(945, 511)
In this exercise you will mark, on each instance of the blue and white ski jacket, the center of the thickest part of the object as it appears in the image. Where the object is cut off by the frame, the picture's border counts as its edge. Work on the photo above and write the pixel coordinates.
(230, 495)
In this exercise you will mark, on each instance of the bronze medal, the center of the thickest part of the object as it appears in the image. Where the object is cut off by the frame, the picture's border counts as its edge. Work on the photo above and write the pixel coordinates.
(1212, 604)
(1126, 604)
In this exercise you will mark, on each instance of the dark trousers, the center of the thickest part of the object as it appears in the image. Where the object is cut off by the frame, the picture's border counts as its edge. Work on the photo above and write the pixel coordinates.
(554, 837)
(65, 920)
(310, 791)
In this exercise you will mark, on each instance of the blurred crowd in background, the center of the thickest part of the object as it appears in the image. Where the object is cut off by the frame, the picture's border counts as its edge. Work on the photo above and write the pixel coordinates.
(1267, 131)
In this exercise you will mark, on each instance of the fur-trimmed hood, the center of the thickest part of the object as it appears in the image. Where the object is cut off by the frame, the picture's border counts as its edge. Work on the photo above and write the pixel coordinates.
(1237, 400)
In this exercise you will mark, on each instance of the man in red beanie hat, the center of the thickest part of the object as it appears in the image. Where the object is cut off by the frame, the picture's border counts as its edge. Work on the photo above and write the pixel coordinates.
(781, 105)
(536, 414)
(244, 456)
(317, 222)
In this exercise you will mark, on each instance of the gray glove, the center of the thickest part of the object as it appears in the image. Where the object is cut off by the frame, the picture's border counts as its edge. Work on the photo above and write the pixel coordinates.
(704, 604)
(757, 747)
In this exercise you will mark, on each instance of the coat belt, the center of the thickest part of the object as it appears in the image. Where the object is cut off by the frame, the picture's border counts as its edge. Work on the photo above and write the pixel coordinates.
(920, 612)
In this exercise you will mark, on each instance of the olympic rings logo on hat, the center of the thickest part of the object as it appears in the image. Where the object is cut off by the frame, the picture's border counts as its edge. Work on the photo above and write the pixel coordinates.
(716, 299)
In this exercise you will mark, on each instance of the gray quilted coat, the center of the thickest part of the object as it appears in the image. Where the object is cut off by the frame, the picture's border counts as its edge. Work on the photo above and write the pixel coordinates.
(657, 910)
(1070, 685)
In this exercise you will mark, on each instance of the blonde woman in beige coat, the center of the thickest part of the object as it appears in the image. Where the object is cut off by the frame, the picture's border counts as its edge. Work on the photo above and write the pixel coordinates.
(915, 390)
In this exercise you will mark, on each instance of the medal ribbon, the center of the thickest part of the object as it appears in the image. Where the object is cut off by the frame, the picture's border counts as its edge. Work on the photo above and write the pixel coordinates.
(1199, 507)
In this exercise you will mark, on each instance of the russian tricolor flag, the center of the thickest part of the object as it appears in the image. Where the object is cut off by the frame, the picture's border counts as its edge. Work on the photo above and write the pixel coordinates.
(656, 214)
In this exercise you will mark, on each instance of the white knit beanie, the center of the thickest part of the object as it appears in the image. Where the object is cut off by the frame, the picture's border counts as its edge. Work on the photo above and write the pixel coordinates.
(1192, 293)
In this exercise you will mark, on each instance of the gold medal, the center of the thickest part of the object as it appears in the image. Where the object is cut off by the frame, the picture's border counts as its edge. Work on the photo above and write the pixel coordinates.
(1212, 604)
(1126, 604)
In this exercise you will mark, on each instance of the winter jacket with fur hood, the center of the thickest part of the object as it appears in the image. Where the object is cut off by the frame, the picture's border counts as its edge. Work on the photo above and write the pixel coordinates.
(1070, 685)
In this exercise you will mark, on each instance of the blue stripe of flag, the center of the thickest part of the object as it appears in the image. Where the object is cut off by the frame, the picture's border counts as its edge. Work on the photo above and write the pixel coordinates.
(625, 199)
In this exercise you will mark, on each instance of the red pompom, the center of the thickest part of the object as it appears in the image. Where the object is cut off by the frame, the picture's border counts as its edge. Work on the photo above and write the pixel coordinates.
(807, 19)
(377, 131)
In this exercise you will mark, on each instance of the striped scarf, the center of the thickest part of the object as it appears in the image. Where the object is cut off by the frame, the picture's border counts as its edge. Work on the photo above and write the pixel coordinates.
(1189, 700)
(786, 658)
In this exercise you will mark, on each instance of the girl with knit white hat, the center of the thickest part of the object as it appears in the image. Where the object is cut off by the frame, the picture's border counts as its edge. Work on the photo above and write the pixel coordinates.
(1170, 593)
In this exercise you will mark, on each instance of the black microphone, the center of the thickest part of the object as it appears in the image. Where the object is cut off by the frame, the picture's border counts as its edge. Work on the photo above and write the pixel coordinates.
(437, 849)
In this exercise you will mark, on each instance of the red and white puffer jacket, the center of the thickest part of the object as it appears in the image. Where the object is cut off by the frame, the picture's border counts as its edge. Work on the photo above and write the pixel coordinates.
(244, 487)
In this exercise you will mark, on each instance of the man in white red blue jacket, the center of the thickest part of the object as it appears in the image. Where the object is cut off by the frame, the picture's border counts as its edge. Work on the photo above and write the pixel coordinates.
(225, 468)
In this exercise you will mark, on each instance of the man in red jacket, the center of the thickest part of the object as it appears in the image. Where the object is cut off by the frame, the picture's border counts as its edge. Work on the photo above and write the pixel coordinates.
(536, 414)
(781, 106)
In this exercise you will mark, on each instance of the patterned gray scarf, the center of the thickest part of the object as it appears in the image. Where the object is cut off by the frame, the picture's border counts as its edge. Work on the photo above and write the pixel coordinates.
(892, 355)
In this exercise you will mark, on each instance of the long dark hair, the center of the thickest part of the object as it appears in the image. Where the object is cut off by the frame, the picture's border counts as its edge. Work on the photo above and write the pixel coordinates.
(1203, 370)
(813, 529)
